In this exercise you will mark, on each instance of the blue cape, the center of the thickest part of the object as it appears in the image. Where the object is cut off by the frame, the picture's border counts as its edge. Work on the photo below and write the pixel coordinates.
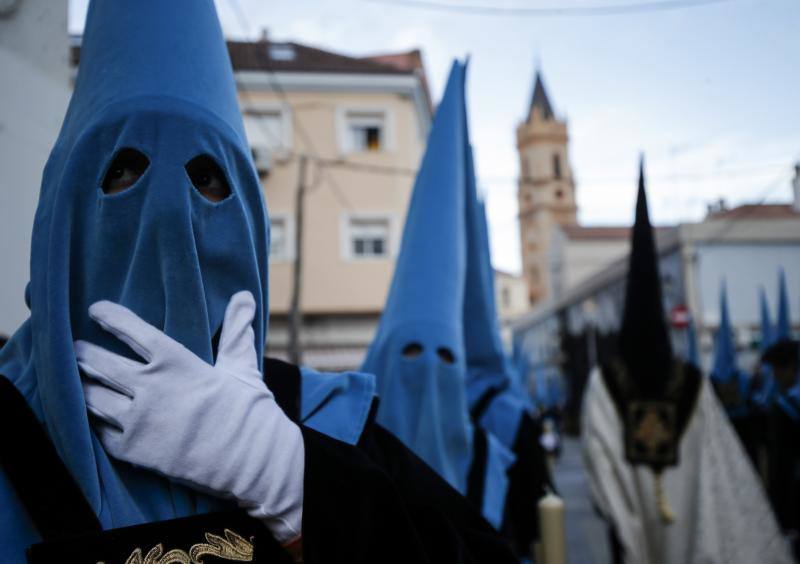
(418, 351)
(336, 404)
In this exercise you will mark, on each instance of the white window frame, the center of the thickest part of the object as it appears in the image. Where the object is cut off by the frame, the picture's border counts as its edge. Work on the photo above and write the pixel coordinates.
(343, 140)
(253, 108)
(290, 250)
(346, 235)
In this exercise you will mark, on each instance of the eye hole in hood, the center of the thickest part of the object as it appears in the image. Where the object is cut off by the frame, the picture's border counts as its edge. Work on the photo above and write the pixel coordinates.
(446, 355)
(125, 169)
(412, 350)
(207, 178)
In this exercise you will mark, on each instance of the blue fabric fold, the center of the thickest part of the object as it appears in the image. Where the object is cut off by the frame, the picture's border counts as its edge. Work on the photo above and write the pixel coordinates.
(336, 404)
(498, 461)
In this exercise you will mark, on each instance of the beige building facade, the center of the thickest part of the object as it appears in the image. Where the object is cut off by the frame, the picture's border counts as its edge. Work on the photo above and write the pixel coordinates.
(546, 191)
(352, 131)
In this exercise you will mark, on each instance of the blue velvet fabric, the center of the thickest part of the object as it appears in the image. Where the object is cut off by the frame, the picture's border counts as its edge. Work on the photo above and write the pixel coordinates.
(768, 332)
(423, 395)
(725, 369)
(498, 460)
(783, 323)
(765, 395)
(154, 76)
(336, 404)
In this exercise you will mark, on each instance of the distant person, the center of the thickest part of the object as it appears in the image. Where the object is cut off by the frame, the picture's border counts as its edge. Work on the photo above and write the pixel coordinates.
(783, 437)
(665, 467)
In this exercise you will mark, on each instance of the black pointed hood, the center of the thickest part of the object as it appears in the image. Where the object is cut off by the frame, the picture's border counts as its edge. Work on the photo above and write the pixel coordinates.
(644, 344)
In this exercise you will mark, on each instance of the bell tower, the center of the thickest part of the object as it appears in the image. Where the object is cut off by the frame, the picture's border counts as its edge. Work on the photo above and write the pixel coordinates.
(546, 191)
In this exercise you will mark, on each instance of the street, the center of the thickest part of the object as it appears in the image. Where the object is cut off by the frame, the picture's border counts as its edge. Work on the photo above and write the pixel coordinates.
(587, 538)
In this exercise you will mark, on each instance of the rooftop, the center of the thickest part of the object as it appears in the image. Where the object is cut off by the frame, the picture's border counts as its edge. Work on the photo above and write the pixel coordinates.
(266, 55)
(756, 211)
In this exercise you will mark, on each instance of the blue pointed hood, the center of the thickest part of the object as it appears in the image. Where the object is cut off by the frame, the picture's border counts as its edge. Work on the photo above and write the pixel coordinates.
(418, 353)
(783, 324)
(724, 348)
(767, 329)
(487, 364)
(146, 48)
(488, 367)
(154, 77)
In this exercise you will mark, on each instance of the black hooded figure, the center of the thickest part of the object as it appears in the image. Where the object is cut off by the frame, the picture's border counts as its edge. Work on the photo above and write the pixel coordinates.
(665, 468)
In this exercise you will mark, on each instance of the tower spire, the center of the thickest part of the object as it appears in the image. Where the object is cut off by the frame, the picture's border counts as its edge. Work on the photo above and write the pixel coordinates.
(539, 100)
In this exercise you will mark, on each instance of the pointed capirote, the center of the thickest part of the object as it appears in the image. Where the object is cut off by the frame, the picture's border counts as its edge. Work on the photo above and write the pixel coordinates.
(724, 367)
(487, 363)
(767, 328)
(644, 343)
(129, 53)
(783, 322)
(433, 237)
(418, 354)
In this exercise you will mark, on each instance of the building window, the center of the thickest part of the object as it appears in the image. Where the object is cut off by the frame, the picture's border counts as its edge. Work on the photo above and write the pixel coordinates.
(282, 52)
(364, 130)
(556, 166)
(281, 238)
(506, 297)
(559, 194)
(269, 131)
(368, 237)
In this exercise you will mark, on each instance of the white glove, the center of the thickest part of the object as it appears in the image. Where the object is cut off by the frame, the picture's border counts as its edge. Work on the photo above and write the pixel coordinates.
(216, 428)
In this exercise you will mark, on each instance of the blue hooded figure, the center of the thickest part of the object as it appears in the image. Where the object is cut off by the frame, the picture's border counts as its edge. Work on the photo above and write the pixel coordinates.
(783, 323)
(730, 382)
(153, 117)
(764, 395)
(418, 352)
(497, 403)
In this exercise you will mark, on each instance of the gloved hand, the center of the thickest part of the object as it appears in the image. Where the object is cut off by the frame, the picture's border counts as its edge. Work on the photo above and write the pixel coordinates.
(217, 428)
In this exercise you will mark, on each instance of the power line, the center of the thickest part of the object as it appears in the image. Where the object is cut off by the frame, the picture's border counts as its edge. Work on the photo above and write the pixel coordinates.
(583, 10)
(297, 123)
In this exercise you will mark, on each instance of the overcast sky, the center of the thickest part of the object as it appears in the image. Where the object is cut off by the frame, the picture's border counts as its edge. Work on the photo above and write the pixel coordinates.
(710, 93)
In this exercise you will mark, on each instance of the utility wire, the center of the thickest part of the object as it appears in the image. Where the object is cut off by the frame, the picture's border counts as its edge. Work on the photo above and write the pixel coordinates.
(550, 11)
(297, 123)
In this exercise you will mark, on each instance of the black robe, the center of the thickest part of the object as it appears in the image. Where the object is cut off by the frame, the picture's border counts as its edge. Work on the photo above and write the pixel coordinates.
(372, 503)
(528, 478)
(450, 526)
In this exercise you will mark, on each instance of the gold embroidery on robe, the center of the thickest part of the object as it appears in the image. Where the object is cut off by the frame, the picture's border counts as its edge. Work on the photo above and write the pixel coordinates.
(232, 548)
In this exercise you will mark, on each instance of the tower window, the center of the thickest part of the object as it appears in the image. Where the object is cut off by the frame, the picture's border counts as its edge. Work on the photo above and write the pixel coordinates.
(556, 165)
(559, 194)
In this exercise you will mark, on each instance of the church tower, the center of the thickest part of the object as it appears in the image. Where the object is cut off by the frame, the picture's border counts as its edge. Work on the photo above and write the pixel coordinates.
(546, 193)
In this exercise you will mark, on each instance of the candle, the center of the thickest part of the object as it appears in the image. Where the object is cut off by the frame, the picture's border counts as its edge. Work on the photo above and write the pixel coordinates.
(551, 525)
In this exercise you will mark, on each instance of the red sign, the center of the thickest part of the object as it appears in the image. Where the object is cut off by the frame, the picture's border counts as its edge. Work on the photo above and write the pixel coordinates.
(679, 317)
